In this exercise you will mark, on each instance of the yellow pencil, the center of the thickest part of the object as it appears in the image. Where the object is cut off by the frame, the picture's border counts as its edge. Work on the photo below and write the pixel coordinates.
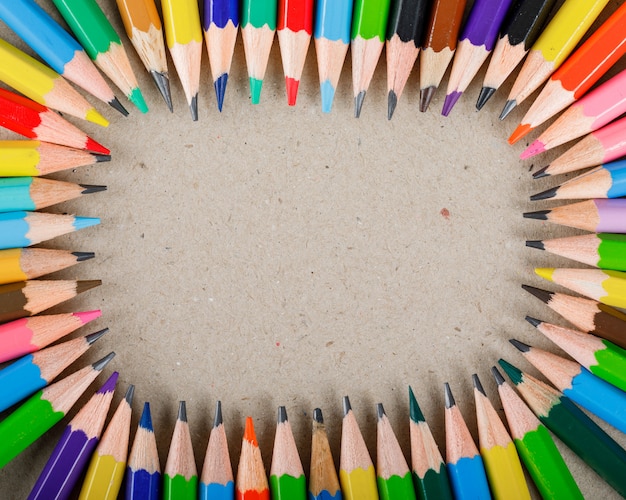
(43, 85)
(21, 264)
(184, 39)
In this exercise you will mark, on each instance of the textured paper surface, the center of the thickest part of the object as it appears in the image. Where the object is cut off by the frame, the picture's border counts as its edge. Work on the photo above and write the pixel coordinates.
(272, 256)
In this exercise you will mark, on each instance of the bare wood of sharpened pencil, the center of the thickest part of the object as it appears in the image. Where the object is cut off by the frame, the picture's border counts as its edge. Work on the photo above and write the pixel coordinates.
(323, 475)
(459, 441)
(390, 460)
(354, 454)
(63, 394)
(115, 439)
(285, 459)
(331, 54)
(365, 58)
(48, 192)
(504, 60)
(582, 215)
(53, 360)
(180, 459)
(583, 248)
(425, 454)
(217, 468)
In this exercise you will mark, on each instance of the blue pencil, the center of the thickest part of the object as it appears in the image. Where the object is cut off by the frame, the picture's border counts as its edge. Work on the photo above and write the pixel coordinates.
(333, 21)
(57, 48)
(323, 481)
(216, 482)
(22, 229)
(143, 473)
(579, 384)
(465, 465)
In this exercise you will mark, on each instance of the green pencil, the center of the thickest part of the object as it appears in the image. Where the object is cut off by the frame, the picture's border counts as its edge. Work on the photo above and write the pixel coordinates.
(581, 434)
(601, 357)
(180, 481)
(44, 409)
(392, 472)
(536, 447)
(103, 45)
(258, 25)
(430, 477)
(287, 480)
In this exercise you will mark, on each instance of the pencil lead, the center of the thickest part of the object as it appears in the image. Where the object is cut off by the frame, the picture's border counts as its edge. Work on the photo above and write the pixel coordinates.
(94, 117)
(92, 337)
(477, 385)
(291, 84)
(533, 321)
(87, 316)
(515, 374)
(346, 405)
(426, 95)
(248, 433)
(109, 385)
(538, 215)
(146, 418)
(545, 195)
(89, 189)
(318, 416)
(508, 107)
(182, 411)
(358, 103)
(535, 148)
(255, 90)
(130, 393)
(543, 295)
(82, 256)
(101, 158)
(193, 107)
(162, 82)
(101, 363)
(541, 173)
(380, 411)
(449, 102)
(96, 147)
(136, 97)
(84, 285)
(282, 415)
(217, 421)
(545, 272)
(220, 89)
(497, 375)
(449, 398)
(83, 222)
(484, 96)
(117, 105)
(328, 95)
(538, 244)
(520, 346)
(415, 412)
(392, 101)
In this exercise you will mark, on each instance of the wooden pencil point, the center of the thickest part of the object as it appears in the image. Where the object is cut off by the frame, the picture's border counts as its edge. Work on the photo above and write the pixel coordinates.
(477, 385)
(497, 376)
(520, 346)
(426, 95)
(533, 321)
(83, 286)
(449, 398)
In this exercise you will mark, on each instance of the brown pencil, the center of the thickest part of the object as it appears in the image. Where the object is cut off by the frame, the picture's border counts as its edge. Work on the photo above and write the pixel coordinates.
(20, 264)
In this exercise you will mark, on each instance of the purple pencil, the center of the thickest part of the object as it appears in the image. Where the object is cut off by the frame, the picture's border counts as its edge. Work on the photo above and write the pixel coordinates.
(598, 216)
(73, 451)
(476, 43)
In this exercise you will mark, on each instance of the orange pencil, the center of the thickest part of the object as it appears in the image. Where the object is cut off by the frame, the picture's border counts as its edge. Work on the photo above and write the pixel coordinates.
(251, 477)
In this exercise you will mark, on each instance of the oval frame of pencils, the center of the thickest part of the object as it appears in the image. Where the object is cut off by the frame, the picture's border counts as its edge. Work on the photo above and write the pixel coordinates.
(260, 248)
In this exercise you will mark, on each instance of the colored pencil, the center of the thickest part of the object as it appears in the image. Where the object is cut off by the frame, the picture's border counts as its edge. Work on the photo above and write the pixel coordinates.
(579, 384)
(556, 42)
(430, 477)
(405, 32)
(217, 481)
(258, 24)
(21, 264)
(392, 472)
(26, 335)
(603, 250)
(70, 456)
(180, 478)
(34, 371)
(601, 357)
(369, 23)
(465, 465)
(103, 45)
(251, 481)
(475, 45)
(601, 146)
(605, 181)
(43, 85)
(581, 434)
(184, 41)
(35, 121)
(33, 193)
(356, 469)
(439, 46)
(578, 73)
(44, 409)
(57, 48)
(608, 287)
(294, 30)
(106, 468)
(602, 216)
(593, 111)
(143, 473)
(520, 30)
(502, 463)
(287, 480)
(323, 480)
(536, 446)
(220, 24)
(333, 22)
(587, 315)
(22, 229)
(143, 28)
(26, 298)
(35, 158)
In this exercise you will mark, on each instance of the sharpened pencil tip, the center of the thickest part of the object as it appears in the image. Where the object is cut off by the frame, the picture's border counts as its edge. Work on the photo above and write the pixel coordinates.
(415, 412)
(92, 337)
(346, 405)
(542, 295)
(538, 215)
(380, 411)
(520, 346)
(392, 101)
(220, 89)
(282, 415)
(82, 256)
(89, 189)
(426, 95)
(545, 195)
(328, 95)
(193, 107)
(497, 375)
(95, 147)
(87, 316)
(146, 418)
(101, 158)
(508, 107)
(248, 433)
(538, 244)
(533, 321)
(218, 420)
(117, 105)
(358, 103)
(515, 374)
(101, 363)
(109, 385)
(541, 173)
(182, 411)
(84, 285)
(449, 398)
(83, 222)
(136, 97)
(450, 101)
(130, 393)
(162, 81)
(291, 86)
(536, 147)
(484, 96)
(318, 416)
(477, 385)
(255, 90)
